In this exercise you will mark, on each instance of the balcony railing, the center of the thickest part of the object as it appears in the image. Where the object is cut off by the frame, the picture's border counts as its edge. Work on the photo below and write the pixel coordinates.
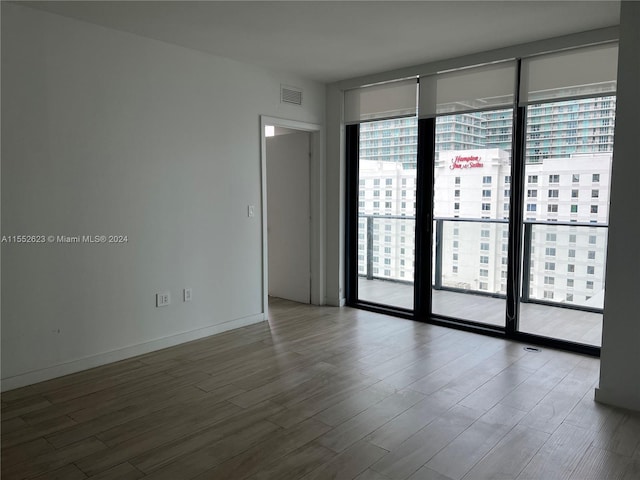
(563, 262)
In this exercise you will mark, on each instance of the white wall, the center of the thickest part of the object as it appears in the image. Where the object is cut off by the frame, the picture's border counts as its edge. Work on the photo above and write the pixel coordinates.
(620, 360)
(336, 172)
(106, 132)
(288, 216)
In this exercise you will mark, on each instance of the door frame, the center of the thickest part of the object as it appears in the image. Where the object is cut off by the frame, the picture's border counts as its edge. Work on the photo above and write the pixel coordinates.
(317, 223)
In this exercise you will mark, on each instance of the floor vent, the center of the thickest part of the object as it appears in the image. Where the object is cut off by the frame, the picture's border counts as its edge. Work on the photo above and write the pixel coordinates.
(532, 349)
(290, 95)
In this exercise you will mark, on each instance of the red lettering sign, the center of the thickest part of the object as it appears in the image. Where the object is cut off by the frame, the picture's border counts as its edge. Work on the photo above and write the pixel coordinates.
(471, 161)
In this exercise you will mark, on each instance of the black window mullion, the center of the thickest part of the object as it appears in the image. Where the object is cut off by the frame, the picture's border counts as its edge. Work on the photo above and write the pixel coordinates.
(516, 214)
(424, 217)
(352, 141)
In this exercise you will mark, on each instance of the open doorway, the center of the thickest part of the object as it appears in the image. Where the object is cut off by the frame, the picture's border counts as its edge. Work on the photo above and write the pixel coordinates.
(292, 211)
(288, 214)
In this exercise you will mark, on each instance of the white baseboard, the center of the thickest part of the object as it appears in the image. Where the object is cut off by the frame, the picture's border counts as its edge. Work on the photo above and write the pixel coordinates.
(626, 400)
(92, 361)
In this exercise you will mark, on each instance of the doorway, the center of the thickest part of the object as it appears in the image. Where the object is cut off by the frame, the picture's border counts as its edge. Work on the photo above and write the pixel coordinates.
(293, 220)
(288, 214)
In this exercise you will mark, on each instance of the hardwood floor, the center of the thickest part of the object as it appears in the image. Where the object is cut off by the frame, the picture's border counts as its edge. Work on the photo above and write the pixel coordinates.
(324, 393)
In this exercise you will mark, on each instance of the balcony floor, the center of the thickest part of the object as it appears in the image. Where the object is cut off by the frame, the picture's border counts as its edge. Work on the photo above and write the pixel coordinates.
(555, 322)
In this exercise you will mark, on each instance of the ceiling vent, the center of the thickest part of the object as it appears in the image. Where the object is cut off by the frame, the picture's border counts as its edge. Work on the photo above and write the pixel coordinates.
(291, 95)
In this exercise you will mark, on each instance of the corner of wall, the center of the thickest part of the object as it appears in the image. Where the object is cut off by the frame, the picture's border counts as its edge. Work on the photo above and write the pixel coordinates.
(335, 171)
(618, 398)
(92, 361)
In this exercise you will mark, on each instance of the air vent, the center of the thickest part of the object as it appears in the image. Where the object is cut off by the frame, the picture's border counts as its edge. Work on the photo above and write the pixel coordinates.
(291, 95)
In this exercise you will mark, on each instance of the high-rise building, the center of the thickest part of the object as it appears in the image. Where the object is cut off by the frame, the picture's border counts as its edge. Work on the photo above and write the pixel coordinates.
(394, 140)
(555, 130)
(461, 132)
(561, 129)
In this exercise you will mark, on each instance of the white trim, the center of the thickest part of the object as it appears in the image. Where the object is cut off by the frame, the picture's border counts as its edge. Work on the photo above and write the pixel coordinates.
(317, 205)
(617, 399)
(92, 361)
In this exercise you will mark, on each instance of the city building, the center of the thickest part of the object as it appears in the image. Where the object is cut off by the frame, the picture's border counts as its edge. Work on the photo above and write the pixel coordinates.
(555, 130)
(567, 262)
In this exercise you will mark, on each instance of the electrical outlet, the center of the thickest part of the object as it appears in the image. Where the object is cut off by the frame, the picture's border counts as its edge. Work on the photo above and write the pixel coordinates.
(187, 295)
(163, 299)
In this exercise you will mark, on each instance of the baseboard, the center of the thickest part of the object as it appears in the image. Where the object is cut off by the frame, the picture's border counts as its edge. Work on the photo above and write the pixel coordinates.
(629, 401)
(92, 361)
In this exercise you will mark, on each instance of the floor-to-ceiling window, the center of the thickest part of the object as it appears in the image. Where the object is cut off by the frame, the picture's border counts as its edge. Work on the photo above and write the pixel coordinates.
(487, 206)
(383, 139)
(471, 113)
(570, 116)
(386, 211)
(472, 189)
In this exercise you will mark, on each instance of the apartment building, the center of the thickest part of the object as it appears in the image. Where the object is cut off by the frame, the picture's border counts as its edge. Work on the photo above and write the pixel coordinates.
(555, 130)
(567, 262)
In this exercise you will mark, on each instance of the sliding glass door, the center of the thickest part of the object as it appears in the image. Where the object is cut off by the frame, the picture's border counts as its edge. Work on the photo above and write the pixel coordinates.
(386, 211)
(472, 190)
(567, 174)
(569, 100)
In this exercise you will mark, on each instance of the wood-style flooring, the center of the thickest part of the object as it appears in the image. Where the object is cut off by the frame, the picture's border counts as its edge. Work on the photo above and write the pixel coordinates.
(324, 393)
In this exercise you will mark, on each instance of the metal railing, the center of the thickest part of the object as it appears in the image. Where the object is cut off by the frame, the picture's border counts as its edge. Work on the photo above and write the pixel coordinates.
(529, 230)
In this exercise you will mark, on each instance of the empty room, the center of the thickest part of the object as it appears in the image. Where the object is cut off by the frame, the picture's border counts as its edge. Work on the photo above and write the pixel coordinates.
(359, 240)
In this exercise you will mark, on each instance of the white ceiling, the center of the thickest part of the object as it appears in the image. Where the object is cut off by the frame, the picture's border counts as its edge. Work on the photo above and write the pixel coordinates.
(329, 40)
